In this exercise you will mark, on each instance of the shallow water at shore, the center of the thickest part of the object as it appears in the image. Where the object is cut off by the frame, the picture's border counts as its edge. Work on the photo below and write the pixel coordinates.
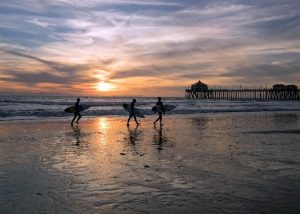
(37, 107)
(212, 163)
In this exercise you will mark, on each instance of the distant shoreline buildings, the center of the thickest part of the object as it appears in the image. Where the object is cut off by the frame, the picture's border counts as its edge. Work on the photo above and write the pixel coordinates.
(200, 90)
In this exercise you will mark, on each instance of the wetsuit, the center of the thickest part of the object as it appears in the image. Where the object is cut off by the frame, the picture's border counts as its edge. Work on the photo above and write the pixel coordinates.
(76, 113)
(131, 114)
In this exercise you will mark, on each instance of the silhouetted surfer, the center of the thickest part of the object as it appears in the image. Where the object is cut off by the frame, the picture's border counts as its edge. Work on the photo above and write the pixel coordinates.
(131, 113)
(159, 103)
(76, 113)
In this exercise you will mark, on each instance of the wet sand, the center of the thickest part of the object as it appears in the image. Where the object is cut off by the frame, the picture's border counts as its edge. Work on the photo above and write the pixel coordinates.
(210, 163)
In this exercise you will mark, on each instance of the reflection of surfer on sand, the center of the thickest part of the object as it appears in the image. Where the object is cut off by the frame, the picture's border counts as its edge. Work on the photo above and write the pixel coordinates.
(159, 138)
(132, 113)
(76, 130)
(76, 113)
(160, 104)
(132, 135)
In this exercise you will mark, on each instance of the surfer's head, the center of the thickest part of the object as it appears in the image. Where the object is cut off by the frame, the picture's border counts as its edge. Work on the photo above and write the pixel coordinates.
(134, 100)
(78, 99)
(159, 98)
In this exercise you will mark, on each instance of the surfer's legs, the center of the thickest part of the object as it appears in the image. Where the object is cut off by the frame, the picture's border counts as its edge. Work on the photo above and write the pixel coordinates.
(129, 118)
(79, 116)
(156, 121)
(136, 120)
(75, 115)
(159, 119)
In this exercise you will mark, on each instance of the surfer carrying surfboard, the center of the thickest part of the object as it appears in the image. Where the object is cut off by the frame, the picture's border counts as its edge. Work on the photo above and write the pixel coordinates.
(132, 113)
(160, 104)
(76, 113)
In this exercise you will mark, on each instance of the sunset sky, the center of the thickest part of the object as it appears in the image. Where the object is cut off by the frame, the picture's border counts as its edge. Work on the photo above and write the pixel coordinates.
(146, 47)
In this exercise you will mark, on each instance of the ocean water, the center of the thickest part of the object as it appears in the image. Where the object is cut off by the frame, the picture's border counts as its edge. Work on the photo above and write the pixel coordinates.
(30, 107)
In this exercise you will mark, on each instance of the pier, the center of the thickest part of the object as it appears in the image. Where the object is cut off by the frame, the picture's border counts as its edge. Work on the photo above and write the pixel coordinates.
(200, 90)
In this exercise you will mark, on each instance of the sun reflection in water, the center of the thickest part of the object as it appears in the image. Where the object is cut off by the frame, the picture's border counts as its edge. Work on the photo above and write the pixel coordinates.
(103, 126)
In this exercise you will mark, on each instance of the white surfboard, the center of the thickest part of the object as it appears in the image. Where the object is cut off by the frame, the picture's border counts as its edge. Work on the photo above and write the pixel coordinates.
(167, 107)
(137, 112)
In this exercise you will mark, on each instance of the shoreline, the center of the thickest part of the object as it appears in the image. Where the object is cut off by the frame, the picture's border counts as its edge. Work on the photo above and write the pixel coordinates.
(203, 114)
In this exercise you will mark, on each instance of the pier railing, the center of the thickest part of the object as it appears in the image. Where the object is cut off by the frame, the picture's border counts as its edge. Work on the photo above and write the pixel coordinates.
(244, 94)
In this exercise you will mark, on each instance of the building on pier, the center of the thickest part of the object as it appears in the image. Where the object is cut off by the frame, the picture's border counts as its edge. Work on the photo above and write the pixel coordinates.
(199, 86)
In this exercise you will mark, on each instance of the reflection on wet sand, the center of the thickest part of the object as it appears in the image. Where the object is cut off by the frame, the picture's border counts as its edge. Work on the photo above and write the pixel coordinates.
(103, 126)
(159, 138)
(191, 165)
(200, 123)
(132, 134)
(77, 130)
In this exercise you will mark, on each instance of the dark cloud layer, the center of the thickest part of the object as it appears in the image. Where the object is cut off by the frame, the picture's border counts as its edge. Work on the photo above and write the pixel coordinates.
(53, 65)
(288, 72)
(55, 72)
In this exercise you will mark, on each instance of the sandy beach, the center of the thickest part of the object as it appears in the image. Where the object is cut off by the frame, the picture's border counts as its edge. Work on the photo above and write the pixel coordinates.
(209, 163)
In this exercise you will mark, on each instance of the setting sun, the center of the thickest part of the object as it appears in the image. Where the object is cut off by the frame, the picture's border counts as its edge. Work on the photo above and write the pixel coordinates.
(104, 86)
